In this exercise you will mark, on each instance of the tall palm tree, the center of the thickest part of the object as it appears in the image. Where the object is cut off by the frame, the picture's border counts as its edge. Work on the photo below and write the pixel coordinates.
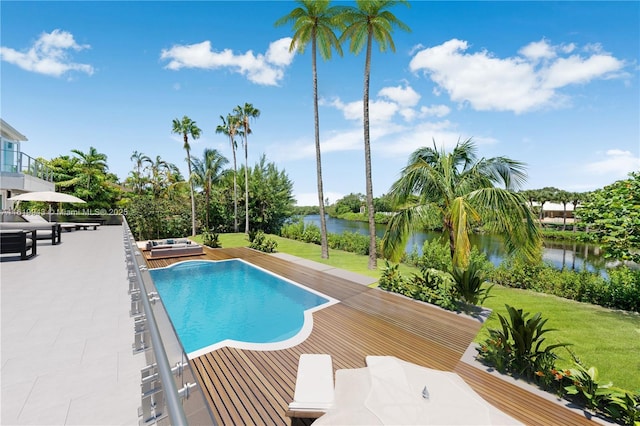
(370, 21)
(314, 21)
(208, 171)
(139, 159)
(463, 190)
(187, 127)
(244, 114)
(230, 128)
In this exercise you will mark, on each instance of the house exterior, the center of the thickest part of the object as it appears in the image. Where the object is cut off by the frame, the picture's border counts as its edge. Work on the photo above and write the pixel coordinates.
(19, 172)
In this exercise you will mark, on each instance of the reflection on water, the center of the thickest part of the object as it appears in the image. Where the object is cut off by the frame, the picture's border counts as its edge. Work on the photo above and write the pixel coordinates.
(569, 255)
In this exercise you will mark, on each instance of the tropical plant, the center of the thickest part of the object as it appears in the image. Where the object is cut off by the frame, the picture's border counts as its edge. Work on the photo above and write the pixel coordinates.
(518, 346)
(613, 213)
(370, 21)
(230, 128)
(462, 189)
(314, 21)
(243, 114)
(211, 239)
(187, 127)
(586, 385)
(140, 160)
(207, 172)
(259, 241)
(272, 199)
(471, 283)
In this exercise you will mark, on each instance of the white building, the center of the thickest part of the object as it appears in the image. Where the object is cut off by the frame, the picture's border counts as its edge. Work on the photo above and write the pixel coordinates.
(19, 172)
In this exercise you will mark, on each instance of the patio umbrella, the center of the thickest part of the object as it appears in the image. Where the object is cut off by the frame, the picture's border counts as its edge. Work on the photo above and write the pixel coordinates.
(47, 197)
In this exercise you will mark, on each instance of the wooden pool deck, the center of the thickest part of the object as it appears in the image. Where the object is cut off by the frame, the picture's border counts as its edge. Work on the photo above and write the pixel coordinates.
(255, 387)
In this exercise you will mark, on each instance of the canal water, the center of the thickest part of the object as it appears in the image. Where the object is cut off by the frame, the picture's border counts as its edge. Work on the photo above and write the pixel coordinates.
(560, 254)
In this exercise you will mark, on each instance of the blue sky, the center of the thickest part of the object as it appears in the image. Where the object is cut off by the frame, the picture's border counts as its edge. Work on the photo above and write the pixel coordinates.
(552, 84)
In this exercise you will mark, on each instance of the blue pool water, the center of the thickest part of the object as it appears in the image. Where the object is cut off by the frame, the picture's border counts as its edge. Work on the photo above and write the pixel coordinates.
(209, 302)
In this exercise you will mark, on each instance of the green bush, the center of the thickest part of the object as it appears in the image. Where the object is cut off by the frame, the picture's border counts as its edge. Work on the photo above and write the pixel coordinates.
(471, 283)
(259, 241)
(211, 239)
(620, 291)
(517, 347)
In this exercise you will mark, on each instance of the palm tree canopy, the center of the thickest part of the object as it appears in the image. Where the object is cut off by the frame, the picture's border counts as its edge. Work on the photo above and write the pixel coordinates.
(243, 114)
(208, 169)
(372, 17)
(186, 127)
(314, 19)
(464, 191)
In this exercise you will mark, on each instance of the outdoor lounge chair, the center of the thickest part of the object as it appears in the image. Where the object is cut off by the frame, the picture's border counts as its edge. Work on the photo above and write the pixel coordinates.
(313, 394)
(390, 391)
(67, 226)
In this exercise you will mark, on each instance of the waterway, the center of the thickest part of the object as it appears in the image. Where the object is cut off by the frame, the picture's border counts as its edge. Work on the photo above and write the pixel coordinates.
(560, 254)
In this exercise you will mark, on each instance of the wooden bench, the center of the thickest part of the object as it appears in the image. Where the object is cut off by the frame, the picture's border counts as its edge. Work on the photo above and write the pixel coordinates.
(18, 241)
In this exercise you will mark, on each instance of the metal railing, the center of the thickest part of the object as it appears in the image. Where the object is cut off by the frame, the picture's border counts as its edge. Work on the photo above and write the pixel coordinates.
(160, 394)
(19, 162)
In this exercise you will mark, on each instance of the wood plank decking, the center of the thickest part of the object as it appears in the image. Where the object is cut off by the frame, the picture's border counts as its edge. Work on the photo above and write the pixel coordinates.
(255, 387)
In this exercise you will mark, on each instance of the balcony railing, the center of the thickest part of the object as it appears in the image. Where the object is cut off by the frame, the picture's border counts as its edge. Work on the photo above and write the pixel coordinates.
(19, 162)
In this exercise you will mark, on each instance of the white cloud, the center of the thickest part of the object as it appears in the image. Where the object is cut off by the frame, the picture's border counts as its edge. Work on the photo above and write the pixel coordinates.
(538, 50)
(379, 110)
(403, 96)
(266, 69)
(49, 55)
(521, 83)
(617, 163)
(435, 111)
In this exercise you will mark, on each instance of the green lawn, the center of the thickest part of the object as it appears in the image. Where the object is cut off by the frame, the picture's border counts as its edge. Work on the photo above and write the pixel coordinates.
(607, 339)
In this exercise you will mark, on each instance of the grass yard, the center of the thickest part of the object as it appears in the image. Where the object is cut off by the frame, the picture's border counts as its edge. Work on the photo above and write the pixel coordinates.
(605, 338)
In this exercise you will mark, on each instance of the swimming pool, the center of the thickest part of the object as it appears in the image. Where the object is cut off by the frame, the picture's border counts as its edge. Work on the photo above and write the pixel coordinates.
(233, 303)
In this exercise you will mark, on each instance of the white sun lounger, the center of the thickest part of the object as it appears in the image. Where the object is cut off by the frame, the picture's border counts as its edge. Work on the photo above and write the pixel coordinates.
(313, 394)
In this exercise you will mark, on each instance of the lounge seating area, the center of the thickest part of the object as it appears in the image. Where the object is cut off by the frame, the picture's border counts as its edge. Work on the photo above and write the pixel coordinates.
(388, 391)
(44, 231)
(67, 226)
(158, 249)
(18, 241)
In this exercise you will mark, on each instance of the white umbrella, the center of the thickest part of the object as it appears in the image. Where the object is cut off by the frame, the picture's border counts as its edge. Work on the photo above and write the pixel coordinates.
(48, 197)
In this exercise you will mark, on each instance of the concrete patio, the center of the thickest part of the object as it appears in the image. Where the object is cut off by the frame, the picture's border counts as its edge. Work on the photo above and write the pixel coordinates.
(66, 334)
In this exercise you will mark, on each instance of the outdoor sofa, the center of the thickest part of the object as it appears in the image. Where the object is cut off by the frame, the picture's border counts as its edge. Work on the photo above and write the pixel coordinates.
(172, 248)
(48, 230)
(18, 241)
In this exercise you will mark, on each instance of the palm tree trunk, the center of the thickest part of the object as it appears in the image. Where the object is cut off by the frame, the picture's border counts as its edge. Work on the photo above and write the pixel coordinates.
(208, 200)
(373, 258)
(246, 184)
(235, 193)
(193, 200)
(323, 220)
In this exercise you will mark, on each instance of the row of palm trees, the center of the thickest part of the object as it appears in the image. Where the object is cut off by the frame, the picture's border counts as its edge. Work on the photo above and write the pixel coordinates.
(237, 123)
(316, 22)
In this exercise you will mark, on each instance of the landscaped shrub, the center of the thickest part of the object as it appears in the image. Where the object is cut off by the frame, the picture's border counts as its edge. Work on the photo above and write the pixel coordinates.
(435, 255)
(293, 230)
(517, 349)
(431, 286)
(211, 239)
(620, 291)
(435, 287)
(471, 283)
(259, 241)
